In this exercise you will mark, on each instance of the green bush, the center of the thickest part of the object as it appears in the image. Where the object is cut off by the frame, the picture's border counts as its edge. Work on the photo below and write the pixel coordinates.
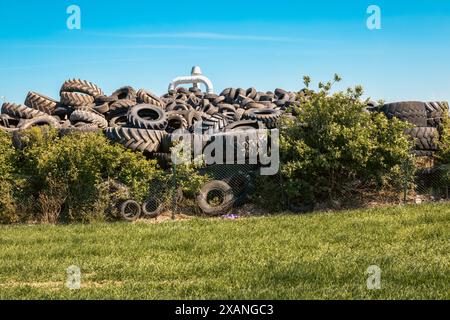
(8, 204)
(334, 148)
(64, 177)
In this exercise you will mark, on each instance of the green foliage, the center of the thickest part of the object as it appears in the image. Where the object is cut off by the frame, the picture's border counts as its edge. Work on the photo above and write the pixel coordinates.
(61, 179)
(8, 205)
(335, 148)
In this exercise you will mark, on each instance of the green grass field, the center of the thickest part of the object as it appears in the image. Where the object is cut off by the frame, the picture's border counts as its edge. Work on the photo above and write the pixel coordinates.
(316, 256)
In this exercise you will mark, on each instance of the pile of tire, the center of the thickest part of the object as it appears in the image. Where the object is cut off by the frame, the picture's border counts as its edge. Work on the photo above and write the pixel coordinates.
(141, 120)
(426, 118)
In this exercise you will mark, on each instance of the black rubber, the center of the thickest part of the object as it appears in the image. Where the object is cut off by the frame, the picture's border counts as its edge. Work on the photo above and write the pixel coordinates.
(21, 111)
(89, 117)
(413, 112)
(426, 138)
(224, 193)
(40, 102)
(130, 210)
(268, 116)
(75, 99)
(82, 86)
(148, 97)
(120, 106)
(147, 116)
(152, 207)
(124, 93)
(136, 139)
(38, 122)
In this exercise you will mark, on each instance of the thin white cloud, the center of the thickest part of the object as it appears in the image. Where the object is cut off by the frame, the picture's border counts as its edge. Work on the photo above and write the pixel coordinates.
(200, 36)
(93, 47)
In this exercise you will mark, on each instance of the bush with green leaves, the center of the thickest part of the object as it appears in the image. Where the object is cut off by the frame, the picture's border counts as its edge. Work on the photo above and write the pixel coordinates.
(8, 205)
(62, 178)
(334, 148)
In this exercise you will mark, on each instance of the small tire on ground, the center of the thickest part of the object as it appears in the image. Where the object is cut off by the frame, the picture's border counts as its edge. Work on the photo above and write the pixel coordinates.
(218, 189)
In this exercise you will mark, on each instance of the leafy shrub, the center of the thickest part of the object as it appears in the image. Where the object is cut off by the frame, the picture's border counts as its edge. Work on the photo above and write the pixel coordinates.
(8, 204)
(335, 148)
(77, 166)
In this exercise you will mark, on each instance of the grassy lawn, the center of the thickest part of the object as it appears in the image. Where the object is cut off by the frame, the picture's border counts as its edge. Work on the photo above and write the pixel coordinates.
(316, 256)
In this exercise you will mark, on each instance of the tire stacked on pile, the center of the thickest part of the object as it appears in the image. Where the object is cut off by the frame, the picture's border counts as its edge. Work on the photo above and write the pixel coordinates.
(142, 121)
(426, 118)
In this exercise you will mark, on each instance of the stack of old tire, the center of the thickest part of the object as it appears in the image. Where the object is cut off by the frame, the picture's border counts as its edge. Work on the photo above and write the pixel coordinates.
(143, 121)
(426, 118)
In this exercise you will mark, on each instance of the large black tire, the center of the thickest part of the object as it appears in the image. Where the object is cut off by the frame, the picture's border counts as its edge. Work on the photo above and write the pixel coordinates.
(175, 121)
(148, 97)
(223, 191)
(268, 116)
(426, 138)
(40, 102)
(89, 117)
(21, 111)
(412, 112)
(76, 99)
(147, 116)
(38, 122)
(137, 139)
(130, 210)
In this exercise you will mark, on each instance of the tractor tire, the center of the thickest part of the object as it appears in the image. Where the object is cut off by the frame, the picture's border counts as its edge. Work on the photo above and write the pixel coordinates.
(267, 116)
(76, 99)
(176, 121)
(412, 112)
(82, 86)
(137, 139)
(40, 102)
(147, 97)
(426, 138)
(89, 117)
(147, 116)
(121, 106)
(21, 111)
(38, 122)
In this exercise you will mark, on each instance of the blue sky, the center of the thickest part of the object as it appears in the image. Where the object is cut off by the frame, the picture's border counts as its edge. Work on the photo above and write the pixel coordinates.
(266, 44)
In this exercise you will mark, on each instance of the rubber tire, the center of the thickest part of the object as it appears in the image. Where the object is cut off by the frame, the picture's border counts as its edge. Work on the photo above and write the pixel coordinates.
(39, 121)
(268, 116)
(155, 213)
(76, 99)
(137, 121)
(411, 111)
(123, 210)
(90, 117)
(228, 198)
(127, 93)
(426, 138)
(21, 111)
(82, 86)
(137, 139)
(147, 97)
(41, 102)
